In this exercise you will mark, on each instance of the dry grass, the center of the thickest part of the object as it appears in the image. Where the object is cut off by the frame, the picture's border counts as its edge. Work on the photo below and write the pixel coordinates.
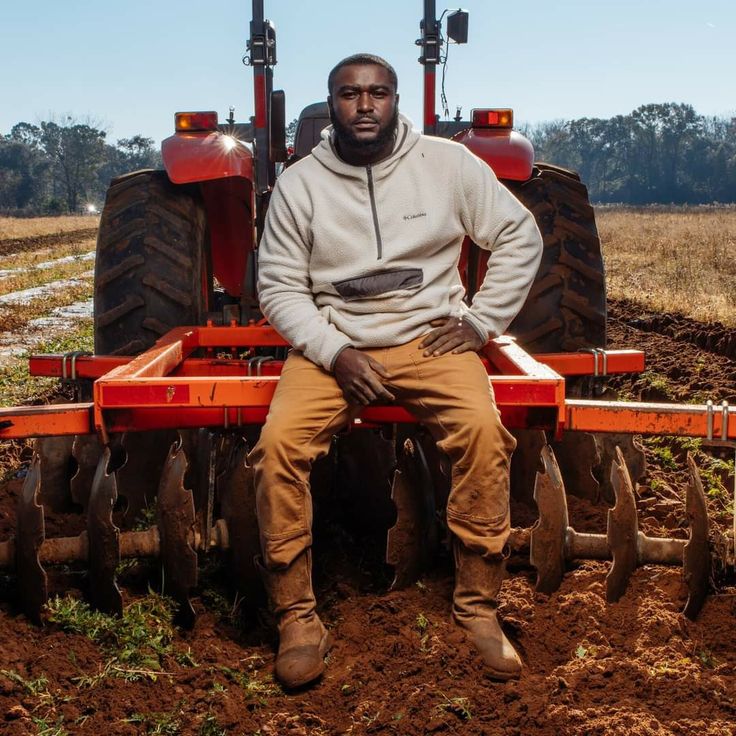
(38, 277)
(678, 260)
(15, 317)
(12, 228)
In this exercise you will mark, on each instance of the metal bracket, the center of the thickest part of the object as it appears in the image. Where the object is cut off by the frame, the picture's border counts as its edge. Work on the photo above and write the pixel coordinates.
(600, 360)
(70, 373)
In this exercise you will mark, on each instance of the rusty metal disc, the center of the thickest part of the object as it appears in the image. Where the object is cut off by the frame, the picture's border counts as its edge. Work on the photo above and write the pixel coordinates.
(409, 541)
(138, 479)
(104, 536)
(237, 494)
(55, 456)
(696, 555)
(547, 546)
(175, 517)
(86, 451)
(525, 462)
(577, 456)
(30, 534)
(633, 454)
(623, 531)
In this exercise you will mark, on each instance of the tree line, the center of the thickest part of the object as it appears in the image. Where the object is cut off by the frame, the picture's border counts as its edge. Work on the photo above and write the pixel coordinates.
(64, 167)
(658, 154)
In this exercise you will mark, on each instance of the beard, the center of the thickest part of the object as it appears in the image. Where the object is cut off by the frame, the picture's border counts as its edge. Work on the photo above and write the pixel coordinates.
(345, 137)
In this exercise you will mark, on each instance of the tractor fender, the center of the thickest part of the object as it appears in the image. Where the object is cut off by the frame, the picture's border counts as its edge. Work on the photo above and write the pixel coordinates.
(508, 153)
(196, 157)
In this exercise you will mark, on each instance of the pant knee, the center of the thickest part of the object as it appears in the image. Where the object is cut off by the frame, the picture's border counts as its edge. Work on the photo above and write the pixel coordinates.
(280, 551)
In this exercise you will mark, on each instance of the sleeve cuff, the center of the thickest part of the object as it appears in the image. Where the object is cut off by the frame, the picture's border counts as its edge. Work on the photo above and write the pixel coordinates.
(478, 326)
(331, 365)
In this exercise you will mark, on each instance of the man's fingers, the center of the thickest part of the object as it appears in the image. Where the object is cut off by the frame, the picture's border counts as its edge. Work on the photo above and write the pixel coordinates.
(446, 344)
(467, 345)
(373, 390)
(363, 393)
(378, 367)
(436, 334)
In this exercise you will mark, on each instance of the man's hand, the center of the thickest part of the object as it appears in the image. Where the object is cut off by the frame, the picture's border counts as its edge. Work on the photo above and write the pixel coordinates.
(454, 334)
(359, 376)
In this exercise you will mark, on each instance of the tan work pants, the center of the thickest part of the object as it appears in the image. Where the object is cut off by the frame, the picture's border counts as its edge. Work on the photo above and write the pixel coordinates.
(450, 394)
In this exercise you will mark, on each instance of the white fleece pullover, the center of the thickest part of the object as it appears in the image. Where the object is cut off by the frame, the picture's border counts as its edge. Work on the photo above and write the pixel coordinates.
(367, 256)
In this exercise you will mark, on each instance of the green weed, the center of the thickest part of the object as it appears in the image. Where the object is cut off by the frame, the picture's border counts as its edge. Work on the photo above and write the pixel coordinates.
(661, 451)
(707, 659)
(422, 623)
(582, 652)
(657, 382)
(210, 727)
(459, 706)
(32, 687)
(45, 728)
(715, 473)
(253, 685)
(137, 643)
(156, 724)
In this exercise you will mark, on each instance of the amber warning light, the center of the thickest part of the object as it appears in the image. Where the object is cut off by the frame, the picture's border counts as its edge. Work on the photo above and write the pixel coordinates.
(493, 118)
(195, 121)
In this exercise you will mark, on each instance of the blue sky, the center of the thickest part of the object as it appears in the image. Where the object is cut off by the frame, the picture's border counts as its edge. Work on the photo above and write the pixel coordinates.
(130, 64)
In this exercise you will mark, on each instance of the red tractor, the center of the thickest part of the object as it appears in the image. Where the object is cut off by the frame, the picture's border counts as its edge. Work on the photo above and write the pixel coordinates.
(179, 246)
(167, 237)
(180, 346)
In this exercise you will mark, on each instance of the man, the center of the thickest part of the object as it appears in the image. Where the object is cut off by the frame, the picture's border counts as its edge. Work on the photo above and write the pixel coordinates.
(358, 271)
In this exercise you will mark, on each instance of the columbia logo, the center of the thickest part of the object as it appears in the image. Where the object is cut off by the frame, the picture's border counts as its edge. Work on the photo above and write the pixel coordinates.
(415, 216)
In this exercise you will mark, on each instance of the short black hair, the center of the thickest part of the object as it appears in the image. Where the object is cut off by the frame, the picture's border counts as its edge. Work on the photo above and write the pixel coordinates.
(362, 60)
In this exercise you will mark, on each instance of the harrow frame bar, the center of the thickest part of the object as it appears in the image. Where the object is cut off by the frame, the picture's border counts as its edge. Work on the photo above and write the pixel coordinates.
(165, 387)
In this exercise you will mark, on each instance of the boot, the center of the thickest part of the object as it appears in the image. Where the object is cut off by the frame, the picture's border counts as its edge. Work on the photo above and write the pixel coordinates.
(303, 639)
(474, 609)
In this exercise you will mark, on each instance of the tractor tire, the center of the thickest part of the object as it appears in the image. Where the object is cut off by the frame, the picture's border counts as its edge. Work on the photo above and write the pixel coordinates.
(564, 312)
(150, 276)
(151, 266)
(566, 307)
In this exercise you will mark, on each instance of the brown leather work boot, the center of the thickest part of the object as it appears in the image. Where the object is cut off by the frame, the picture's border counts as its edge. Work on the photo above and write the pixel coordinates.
(303, 639)
(474, 609)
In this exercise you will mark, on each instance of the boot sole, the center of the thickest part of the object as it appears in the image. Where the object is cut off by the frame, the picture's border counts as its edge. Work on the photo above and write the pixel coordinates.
(499, 676)
(325, 645)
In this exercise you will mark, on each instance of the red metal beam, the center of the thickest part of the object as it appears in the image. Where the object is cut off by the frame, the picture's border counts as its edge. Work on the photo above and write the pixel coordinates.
(251, 392)
(684, 420)
(20, 422)
(694, 420)
(604, 362)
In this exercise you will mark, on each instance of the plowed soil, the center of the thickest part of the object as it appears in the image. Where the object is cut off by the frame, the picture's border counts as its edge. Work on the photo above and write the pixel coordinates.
(9, 246)
(398, 665)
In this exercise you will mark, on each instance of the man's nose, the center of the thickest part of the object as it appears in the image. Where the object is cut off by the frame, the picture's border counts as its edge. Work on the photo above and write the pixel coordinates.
(365, 102)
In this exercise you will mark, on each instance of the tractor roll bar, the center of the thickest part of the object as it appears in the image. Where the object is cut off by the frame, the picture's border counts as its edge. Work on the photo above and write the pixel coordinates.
(430, 41)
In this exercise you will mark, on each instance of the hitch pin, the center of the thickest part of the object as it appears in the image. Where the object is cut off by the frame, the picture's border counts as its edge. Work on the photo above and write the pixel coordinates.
(724, 420)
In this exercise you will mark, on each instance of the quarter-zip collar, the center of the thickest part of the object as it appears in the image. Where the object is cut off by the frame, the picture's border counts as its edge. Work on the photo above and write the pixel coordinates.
(326, 154)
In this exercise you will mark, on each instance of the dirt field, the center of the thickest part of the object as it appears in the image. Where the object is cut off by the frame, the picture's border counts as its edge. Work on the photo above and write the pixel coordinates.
(398, 667)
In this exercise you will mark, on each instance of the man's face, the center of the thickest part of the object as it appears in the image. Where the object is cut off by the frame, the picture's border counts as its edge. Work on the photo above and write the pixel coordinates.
(363, 107)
